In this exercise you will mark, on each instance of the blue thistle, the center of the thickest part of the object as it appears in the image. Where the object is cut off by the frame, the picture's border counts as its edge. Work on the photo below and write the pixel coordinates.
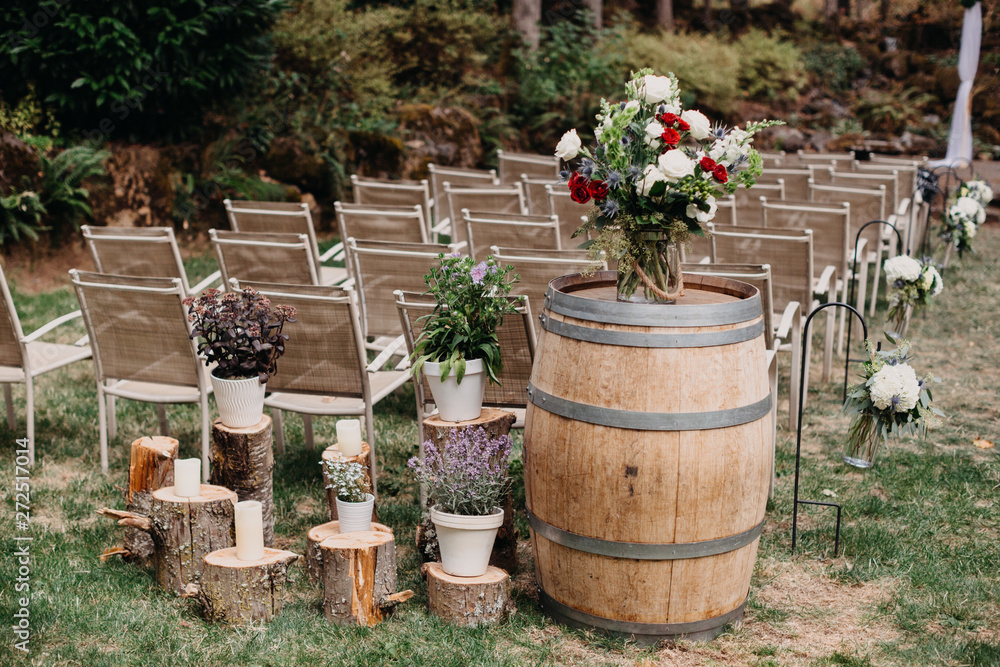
(738, 165)
(614, 180)
(609, 208)
(587, 168)
(720, 130)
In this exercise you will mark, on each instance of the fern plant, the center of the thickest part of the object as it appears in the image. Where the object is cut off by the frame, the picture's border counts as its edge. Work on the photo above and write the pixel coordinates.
(20, 217)
(63, 196)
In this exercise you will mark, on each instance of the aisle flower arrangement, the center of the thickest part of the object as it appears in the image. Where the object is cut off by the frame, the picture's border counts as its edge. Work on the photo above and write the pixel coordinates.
(962, 219)
(654, 177)
(890, 400)
(911, 284)
(977, 189)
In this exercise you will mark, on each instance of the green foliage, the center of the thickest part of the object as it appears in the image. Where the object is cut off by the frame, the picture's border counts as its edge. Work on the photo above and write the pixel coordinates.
(891, 111)
(62, 192)
(28, 117)
(157, 65)
(348, 478)
(834, 65)
(20, 217)
(770, 67)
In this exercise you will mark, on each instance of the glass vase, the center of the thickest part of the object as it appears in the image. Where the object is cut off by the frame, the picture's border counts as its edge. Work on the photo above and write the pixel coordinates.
(655, 274)
(862, 442)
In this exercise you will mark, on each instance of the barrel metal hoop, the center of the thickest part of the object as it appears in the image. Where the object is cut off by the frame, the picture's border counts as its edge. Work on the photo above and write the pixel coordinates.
(649, 421)
(642, 339)
(643, 551)
(704, 629)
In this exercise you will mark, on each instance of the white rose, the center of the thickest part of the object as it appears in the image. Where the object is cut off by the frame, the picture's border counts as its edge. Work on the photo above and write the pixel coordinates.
(970, 228)
(656, 88)
(932, 281)
(569, 146)
(895, 387)
(653, 132)
(650, 177)
(701, 216)
(971, 208)
(675, 165)
(701, 128)
(903, 268)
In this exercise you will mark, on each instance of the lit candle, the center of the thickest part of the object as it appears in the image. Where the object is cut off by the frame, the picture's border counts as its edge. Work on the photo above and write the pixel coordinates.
(349, 437)
(187, 477)
(249, 530)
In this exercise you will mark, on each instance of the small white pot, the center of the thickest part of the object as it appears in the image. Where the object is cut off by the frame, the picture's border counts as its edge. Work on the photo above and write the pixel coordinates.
(458, 402)
(466, 542)
(355, 517)
(241, 402)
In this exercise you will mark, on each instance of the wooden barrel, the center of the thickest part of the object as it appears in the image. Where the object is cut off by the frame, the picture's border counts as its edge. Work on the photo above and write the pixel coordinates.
(647, 456)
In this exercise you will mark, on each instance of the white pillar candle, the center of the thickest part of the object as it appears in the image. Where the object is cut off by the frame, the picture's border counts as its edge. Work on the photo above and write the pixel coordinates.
(349, 437)
(187, 477)
(249, 530)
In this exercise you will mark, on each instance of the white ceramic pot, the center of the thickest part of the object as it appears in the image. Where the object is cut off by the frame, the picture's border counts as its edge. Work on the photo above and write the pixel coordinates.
(466, 542)
(458, 402)
(355, 517)
(241, 402)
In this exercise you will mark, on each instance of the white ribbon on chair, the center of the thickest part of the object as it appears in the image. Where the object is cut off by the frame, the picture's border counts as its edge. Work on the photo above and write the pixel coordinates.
(960, 139)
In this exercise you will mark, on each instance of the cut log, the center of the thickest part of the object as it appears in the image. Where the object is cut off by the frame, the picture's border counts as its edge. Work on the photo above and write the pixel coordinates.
(316, 534)
(151, 467)
(237, 591)
(496, 423)
(468, 601)
(185, 530)
(243, 460)
(359, 577)
(331, 453)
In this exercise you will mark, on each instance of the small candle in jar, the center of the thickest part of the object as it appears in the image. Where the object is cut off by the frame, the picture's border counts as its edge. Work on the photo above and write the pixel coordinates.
(249, 530)
(187, 477)
(349, 437)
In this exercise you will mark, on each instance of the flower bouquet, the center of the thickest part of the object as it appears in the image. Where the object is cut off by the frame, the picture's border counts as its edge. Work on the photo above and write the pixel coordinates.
(961, 221)
(654, 177)
(891, 400)
(354, 498)
(977, 189)
(911, 284)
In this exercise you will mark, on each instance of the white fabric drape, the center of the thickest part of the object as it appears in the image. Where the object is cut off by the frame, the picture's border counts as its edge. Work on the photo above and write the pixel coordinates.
(960, 139)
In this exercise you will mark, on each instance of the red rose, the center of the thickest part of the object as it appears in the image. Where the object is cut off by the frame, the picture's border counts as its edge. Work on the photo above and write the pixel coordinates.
(668, 118)
(598, 189)
(670, 136)
(577, 180)
(580, 195)
(683, 125)
(720, 173)
(707, 163)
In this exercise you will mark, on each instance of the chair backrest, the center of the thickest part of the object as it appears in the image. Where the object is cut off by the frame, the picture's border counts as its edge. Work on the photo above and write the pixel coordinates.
(489, 229)
(377, 192)
(513, 165)
(897, 160)
(747, 208)
(138, 328)
(871, 180)
(501, 199)
(788, 252)
(12, 351)
(274, 217)
(517, 349)
(536, 197)
(326, 355)
(758, 275)
(382, 267)
(817, 158)
(830, 224)
(796, 181)
(906, 175)
(269, 258)
(381, 223)
(537, 268)
(458, 178)
(571, 215)
(147, 252)
(773, 159)
(822, 173)
(866, 205)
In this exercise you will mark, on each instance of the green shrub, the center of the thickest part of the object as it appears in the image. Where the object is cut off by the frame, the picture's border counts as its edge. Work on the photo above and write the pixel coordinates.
(145, 67)
(20, 217)
(834, 65)
(62, 192)
(770, 68)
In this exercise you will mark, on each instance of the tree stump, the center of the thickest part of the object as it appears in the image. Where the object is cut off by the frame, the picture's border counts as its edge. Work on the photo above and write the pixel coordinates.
(243, 460)
(496, 423)
(237, 591)
(151, 467)
(468, 601)
(316, 534)
(185, 530)
(359, 577)
(331, 453)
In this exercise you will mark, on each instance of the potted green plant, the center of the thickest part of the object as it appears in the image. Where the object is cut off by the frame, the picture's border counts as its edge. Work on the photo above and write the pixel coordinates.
(458, 348)
(467, 479)
(354, 500)
(243, 336)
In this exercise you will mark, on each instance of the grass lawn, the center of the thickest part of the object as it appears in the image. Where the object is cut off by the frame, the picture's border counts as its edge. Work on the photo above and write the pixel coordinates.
(917, 581)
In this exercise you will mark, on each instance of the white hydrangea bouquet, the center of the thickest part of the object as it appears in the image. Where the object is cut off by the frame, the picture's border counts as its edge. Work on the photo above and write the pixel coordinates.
(654, 177)
(977, 189)
(891, 400)
(962, 219)
(911, 285)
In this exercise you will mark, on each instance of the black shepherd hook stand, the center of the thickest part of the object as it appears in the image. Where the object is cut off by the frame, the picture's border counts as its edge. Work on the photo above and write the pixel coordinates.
(850, 298)
(798, 437)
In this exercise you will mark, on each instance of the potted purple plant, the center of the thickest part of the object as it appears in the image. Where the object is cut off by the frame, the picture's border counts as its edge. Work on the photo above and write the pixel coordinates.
(243, 336)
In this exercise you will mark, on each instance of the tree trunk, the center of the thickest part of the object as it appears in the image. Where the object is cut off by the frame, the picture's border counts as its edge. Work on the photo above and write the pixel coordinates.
(333, 452)
(151, 467)
(359, 577)
(525, 15)
(596, 8)
(316, 534)
(243, 461)
(236, 591)
(665, 15)
(468, 601)
(830, 9)
(707, 12)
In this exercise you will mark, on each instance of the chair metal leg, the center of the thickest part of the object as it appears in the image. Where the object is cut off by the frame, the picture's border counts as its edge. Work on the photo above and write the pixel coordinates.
(112, 416)
(831, 321)
(370, 434)
(793, 382)
(102, 420)
(279, 431)
(8, 398)
(307, 432)
(772, 376)
(29, 410)
(161, 413)
(205, 423)
(875, 281)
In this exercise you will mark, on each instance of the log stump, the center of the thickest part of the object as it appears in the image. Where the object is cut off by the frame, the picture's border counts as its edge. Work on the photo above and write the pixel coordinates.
(468, 601)
(237, 591)
(496, 423)
(243, 460)
(316, 534)
(359, 577)
(330, 454)
(185, 530)
(151, 467)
